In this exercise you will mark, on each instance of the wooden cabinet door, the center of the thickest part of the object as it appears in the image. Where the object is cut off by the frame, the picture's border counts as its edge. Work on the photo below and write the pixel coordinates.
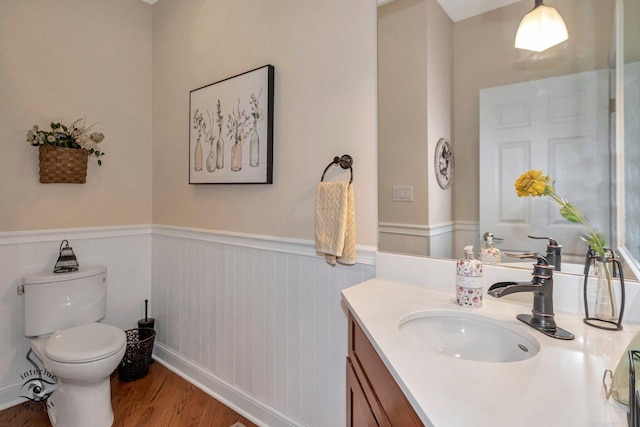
(385, 398)
(358, 410)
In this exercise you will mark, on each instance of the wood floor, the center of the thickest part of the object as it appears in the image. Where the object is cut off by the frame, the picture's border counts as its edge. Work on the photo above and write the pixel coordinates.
(161, 399)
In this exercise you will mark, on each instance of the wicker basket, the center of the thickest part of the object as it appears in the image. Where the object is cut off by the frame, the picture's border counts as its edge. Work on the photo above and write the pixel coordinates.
(63, 165)
(135, 363)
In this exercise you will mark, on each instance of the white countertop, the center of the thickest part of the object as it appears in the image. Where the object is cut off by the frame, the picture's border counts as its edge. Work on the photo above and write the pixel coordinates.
(560, 386)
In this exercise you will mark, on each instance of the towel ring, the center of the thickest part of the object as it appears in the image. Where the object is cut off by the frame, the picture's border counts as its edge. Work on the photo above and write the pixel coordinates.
(345, 162)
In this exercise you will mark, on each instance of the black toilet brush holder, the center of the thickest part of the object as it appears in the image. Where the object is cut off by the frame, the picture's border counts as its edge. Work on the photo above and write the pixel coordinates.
(147, 322)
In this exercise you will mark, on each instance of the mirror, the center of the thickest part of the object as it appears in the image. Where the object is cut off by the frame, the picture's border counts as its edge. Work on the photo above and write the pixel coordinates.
(434, 63)
(628, 138)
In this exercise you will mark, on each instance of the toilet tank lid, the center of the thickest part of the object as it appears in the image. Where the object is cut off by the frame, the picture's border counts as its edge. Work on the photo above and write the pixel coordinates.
(49, 277)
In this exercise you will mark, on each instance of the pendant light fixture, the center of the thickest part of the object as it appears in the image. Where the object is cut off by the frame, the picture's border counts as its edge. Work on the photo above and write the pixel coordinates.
(541, 29)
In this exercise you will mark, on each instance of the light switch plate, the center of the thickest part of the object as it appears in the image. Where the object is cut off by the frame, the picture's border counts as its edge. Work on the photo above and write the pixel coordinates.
(403, 193)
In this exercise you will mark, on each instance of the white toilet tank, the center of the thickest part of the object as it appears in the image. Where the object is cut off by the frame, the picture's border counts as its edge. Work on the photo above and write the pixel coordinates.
(54, 301)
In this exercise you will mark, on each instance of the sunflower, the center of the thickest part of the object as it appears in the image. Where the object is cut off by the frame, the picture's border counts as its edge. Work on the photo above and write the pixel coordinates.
(532, 183)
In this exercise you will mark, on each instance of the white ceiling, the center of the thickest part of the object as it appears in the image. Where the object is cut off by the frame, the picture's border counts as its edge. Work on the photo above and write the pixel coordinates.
(463, 9)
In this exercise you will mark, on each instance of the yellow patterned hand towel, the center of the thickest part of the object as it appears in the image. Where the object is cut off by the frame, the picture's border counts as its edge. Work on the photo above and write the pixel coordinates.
(336, 223)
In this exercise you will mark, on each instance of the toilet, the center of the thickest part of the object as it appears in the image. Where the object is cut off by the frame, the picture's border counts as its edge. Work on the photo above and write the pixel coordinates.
(61, 315)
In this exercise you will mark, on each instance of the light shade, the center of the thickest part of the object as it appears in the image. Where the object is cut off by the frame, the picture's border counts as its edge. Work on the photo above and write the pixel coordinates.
(540, 29)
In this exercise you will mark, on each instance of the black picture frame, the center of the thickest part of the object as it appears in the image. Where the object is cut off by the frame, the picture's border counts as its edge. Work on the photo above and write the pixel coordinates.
(231, 129)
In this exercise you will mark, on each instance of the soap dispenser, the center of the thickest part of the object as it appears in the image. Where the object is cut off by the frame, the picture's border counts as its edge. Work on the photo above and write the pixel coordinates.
(489, 254)
(469, 280)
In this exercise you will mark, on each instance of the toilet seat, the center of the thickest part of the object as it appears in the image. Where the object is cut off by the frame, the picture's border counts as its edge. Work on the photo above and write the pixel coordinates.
(84, 343)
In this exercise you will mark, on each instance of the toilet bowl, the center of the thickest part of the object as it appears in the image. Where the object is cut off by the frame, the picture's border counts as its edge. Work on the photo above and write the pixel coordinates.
(61, 321)
(82, 358)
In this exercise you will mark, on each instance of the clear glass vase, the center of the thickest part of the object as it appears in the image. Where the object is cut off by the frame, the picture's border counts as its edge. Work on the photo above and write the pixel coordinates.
(236, 157)
(220, 150)
(211, 158)
(254, 147)
(197, 157)
(605, 308)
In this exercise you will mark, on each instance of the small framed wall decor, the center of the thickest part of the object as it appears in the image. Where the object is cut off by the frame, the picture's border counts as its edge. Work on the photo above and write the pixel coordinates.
(443, 166)
(231, 130)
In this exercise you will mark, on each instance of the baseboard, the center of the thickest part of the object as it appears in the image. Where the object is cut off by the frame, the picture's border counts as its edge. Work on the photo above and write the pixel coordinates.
(9, 395)
(240, 401)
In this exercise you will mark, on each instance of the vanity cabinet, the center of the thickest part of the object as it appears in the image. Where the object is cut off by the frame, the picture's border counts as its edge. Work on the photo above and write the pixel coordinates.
(373, 396)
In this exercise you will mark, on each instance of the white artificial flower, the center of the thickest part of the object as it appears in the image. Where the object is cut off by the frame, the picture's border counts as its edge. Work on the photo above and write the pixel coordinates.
(83, 140)
(97, 137)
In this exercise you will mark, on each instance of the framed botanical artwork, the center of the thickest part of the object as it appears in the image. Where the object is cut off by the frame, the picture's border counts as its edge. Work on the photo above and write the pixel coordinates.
(231, 130)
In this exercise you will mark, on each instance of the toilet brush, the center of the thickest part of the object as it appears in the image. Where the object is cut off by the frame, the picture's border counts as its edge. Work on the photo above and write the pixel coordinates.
(147, 322)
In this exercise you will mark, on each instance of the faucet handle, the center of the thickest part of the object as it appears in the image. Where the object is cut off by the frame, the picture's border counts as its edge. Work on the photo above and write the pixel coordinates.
(541, 269)
(541, 259)
(552, 242)
(554, 252)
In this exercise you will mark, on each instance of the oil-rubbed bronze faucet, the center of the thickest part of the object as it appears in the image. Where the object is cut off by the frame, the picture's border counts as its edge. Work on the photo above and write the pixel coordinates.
(542, 317)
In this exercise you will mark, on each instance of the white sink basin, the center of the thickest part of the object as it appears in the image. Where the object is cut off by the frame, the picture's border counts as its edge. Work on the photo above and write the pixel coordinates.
(469, 336)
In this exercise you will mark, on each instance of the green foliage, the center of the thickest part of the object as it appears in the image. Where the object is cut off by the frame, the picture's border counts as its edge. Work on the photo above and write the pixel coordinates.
(595, 242)
(569, 212)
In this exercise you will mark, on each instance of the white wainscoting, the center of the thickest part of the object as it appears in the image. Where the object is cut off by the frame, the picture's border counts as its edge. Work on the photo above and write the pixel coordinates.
(466, 233)
(440, 240)
(406, 239)
(257, 322)
(125, 251)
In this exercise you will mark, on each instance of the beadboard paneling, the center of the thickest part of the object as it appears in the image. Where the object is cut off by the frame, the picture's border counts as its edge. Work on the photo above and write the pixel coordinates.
(255, 320)
(269, 324)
